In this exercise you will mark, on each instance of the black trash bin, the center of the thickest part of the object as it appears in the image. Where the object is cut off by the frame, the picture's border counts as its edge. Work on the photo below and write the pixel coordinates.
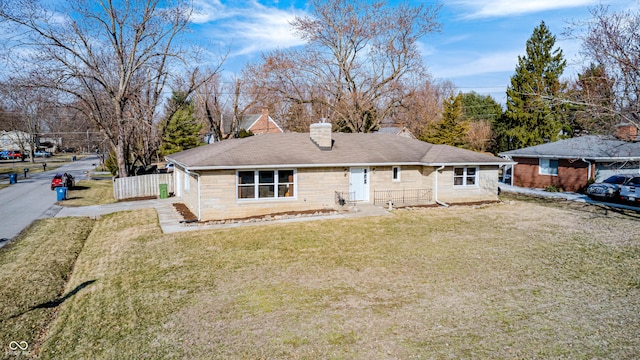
(13, 178)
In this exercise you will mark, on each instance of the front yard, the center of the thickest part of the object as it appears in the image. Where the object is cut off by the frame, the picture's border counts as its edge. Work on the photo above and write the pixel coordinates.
(515, 280)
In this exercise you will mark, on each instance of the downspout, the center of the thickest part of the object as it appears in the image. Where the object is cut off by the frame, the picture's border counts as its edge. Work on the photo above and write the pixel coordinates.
(199, 197)
(435, 189)
(588, 171)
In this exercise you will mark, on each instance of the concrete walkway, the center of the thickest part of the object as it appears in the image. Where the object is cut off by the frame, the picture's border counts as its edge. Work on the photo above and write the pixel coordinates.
(171, 221)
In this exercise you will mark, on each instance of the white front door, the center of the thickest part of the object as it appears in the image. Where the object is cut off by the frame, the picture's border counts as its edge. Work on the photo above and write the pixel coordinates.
(359, 184)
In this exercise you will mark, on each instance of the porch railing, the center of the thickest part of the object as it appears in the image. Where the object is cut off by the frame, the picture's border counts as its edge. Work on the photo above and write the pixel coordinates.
(345, 198)
(404, 196)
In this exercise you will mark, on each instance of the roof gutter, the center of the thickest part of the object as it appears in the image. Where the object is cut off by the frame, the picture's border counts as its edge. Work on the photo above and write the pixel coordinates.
(435, 189)
(613, 159)
(302, 166)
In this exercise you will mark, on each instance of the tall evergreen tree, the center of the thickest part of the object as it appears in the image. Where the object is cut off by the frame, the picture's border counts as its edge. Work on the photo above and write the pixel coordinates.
(533, 114)
(452, 129)
(182, 130)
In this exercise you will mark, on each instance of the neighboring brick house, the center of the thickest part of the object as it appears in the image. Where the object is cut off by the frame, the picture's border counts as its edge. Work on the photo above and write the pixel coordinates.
(256, 123)
(570, 163)
(291, 172)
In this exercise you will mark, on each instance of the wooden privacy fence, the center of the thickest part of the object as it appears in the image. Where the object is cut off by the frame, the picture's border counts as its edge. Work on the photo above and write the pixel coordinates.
(141, 186)
(404, 196)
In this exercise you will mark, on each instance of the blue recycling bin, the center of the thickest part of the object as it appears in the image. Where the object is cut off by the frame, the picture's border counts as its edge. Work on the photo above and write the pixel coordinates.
(62, 193)
(13, 178)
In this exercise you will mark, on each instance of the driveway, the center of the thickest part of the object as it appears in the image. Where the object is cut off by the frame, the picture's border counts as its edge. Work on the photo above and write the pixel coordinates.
(564, 195)
(31, 198)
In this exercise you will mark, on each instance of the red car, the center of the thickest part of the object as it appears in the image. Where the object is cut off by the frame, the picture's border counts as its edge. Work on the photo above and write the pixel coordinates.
(65, 180)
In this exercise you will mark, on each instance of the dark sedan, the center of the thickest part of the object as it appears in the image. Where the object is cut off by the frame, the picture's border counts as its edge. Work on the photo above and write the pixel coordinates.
(609, 189)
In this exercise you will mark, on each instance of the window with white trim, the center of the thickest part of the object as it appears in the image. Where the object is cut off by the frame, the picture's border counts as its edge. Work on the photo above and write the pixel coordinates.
(465, 176)
(187, 184)
(266, 184)
(548, 167)
(395, 173)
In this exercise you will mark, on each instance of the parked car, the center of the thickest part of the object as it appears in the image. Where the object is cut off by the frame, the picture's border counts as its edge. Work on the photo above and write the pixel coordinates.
(10, 155)
(630, 192)
(41, 153)
(609, 189)
(169, 167)
(65, 180)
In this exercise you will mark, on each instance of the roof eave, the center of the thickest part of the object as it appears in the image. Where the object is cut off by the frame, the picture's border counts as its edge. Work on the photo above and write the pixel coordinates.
(302, 166)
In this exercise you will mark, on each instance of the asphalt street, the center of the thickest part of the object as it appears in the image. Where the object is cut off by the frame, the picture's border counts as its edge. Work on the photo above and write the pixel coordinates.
(31, 198)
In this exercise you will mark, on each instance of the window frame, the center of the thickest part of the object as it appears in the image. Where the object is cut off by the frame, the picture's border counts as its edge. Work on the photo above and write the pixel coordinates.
(465, 176)
(395, 173)
(548, 169)
(258, 186)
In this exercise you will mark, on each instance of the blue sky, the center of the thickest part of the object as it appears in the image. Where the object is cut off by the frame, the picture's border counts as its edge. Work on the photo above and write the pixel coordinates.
(477, 49)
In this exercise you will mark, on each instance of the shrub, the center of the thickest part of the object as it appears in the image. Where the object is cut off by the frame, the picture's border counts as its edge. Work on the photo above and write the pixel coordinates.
(553, 188)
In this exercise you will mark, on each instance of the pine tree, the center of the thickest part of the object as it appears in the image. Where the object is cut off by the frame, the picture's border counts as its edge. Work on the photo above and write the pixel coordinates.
(534, 115)
(181, 132)
(452, 129)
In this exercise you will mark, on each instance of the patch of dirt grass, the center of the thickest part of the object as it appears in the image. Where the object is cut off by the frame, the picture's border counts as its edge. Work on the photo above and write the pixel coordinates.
(513, 280)
(90, 192)
(34, 270)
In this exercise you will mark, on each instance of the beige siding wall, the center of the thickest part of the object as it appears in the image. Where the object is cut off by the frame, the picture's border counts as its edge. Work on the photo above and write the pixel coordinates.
(487, 189)
(411, 177)
(188, 193)
(316, 190)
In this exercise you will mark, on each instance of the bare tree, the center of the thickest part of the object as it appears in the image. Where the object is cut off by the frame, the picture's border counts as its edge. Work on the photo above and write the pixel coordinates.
(102, 55)
(358, 53)
(611, 40)
(423, 107)
(32, 107)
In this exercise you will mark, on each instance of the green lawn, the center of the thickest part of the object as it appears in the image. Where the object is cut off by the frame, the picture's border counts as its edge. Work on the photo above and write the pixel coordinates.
(514, 280)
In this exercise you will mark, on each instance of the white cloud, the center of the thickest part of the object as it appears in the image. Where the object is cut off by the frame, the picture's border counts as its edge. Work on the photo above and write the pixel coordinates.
(500, 8)
(249, 26)
(205, 11)
(473, 64)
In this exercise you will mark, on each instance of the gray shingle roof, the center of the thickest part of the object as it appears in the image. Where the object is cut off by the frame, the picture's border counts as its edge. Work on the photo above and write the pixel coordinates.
(245, 122)
(296, 149)
(587, 147)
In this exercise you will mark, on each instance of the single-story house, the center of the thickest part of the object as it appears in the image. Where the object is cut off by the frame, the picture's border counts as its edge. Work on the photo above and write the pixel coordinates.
(295, 172)
(256, 123)
(14, 140)
(570, 163)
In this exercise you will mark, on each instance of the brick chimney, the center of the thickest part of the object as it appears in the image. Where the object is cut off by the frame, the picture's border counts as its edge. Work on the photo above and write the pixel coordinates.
(320, 134)
(627, 132)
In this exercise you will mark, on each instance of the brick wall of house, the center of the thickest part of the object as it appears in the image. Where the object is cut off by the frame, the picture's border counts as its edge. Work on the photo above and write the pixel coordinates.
(572, 174)
(263, 125)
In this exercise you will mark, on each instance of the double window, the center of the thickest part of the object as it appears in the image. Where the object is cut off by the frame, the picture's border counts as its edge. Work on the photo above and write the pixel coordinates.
(548, 167)
(266, 184)
(465, 176)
